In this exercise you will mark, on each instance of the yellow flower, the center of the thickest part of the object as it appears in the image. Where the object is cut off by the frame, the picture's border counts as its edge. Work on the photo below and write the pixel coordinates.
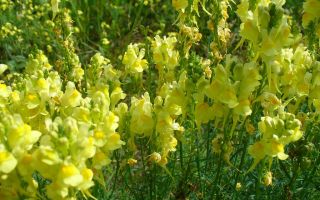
(111, 123)
(4, 91)
(7, 161)
(141, 115)
(221, 88)
(132, 161)
(257, 151)
(32, 100)
(57, 191)
(3, 68)
(164, 54)
(87, 182)
(21, 137)
(203, 113)
(267, 179)
(55, 7)
(100, 160)
(243, 108)
(242, 10)
(113, 142)
(249, 79)
(249, 30)
(133, 59)
(70, 175)
(81, 114)
(46, 161)
(179, 4)
(276, 132)
(99, 138)
(238, 186)
(155, 157)
(223, 92)
(311, 11)
(77, 73)
(71, 96)
(116, 95)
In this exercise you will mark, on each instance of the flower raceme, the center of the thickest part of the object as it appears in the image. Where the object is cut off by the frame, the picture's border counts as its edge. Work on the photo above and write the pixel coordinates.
(276, 132)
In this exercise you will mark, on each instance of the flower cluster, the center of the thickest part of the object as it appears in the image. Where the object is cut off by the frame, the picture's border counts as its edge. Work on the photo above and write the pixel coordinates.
(276, 132)
(75, 107)
(69, 131)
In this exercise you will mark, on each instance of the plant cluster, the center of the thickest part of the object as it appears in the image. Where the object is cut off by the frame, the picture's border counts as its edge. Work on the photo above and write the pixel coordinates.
(158, 99)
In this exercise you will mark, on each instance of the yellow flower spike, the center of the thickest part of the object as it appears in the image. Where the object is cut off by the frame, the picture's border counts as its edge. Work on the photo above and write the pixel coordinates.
(276, 132)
